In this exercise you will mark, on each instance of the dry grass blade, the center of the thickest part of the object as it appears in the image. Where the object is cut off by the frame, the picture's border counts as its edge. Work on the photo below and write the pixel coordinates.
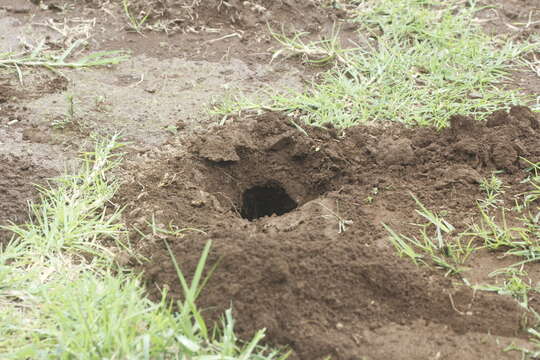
(41, 58)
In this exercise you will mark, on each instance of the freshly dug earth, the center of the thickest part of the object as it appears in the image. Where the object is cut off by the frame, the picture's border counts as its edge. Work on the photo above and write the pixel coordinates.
(25, 158)
(320, 273)
(516, 18)
(17, 188)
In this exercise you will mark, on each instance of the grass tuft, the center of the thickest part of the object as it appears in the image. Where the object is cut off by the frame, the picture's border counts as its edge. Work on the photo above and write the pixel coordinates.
(437, 243)
(320, 52)
(71, 217)
(135, 22)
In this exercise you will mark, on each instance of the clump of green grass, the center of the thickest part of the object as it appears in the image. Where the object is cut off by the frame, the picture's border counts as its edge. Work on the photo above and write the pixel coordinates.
(234, 104)
(437, 243)
(513, 285)
(63, 296)
(533, 179)
(492, 188)
(421, 62)
(70, 217)
(514, 232)
(519, 236)
(69, 117)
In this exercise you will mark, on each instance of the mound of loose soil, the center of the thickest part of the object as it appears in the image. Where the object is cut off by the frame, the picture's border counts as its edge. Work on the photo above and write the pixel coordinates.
(296, 227)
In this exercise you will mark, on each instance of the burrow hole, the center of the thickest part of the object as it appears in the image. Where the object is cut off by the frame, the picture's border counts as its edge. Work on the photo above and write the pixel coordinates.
(266, 200)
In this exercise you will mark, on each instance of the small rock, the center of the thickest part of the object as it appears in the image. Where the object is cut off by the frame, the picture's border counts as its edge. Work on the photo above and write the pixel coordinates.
(197, 203)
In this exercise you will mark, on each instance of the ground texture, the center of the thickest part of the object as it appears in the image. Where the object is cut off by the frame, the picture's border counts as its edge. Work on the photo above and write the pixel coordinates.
(322, 276)
(322, 289)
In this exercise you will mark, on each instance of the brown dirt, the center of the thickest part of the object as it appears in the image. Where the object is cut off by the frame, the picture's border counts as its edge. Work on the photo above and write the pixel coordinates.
(318, 290)
(517, 18)
(169, 82)
(194, 16)
(200, 30)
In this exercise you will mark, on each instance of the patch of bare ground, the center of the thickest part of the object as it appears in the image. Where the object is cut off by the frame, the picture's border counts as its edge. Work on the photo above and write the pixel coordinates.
(28, 156)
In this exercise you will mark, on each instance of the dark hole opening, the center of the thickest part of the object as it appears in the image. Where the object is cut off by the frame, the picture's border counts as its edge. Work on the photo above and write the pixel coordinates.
(266, 200)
